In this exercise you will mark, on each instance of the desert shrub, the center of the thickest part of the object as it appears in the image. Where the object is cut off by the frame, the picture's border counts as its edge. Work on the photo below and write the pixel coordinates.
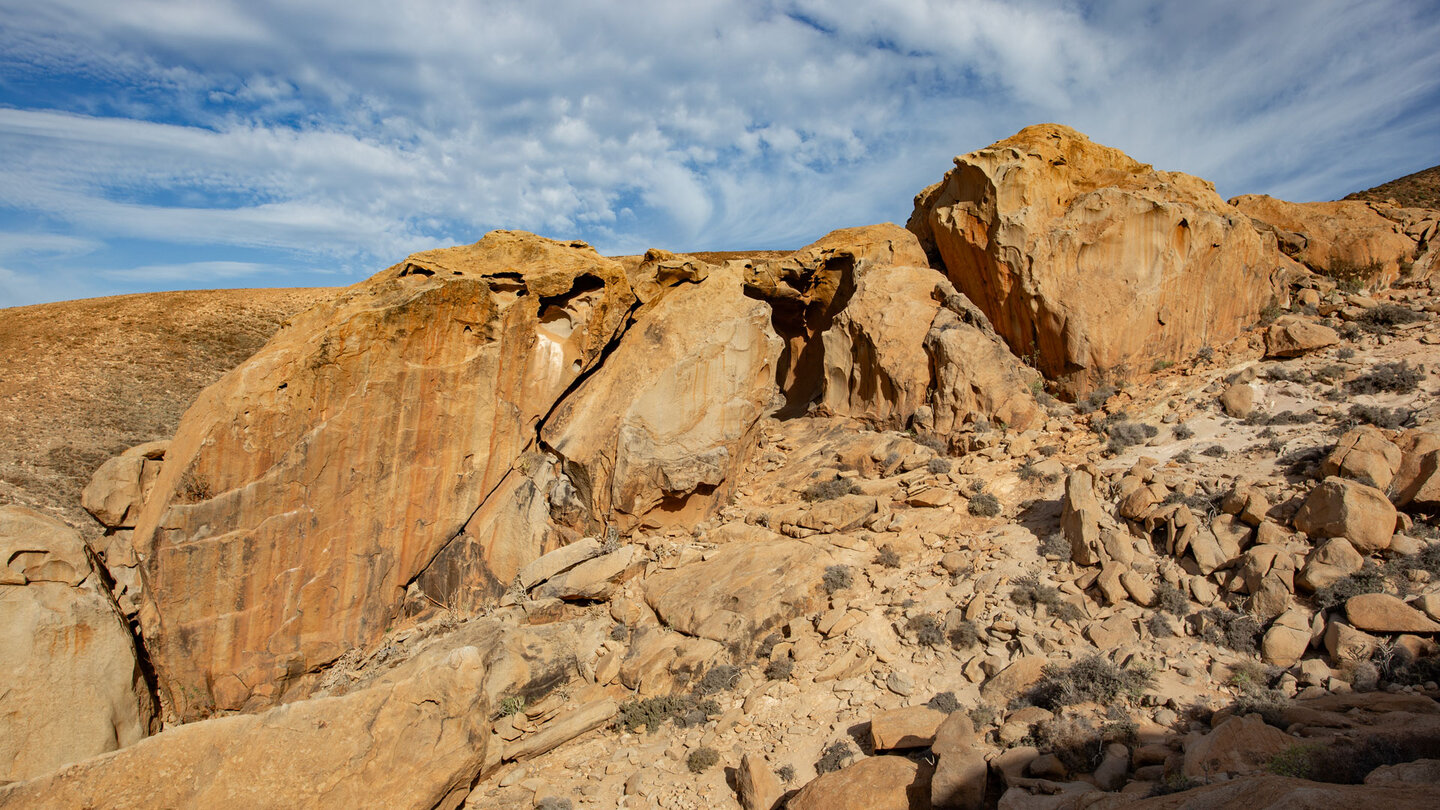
(719, 678)
(1048, 450)
(767, 645)
(780, 669)
(1055, 545)
(834, 757)
(1295, 761)
(511, 705)
(1225, 628)
(1249, 675)
(1159, 626)
(619, 632)
(933, 442)
(1096, 399)
(1077, 743)
(786, 773)
(193, 488)
(1214, 451)
(1160, 365)
(984, 505)
(1383, 319)
(1183, 431)
(1029, 592)
(1369, 579)
(1283, 373)
(1269, 313)
(1171, 600)
(964, 635)
(1349, 761)
(1387, 418)
(702, 759)
(651, 713)
(1352, 276)
(1205, 353)
(887, 557)
(828, 490)
(1183, 457)
(837, 578)
(1174, 783)
(1396, 664)
(983, 715)
(1398, 378)
(554, 803)
(1329, 373)
(1094, 679)
(938, 466)
(944, 702)
(1345, 352)
(1123, 435)
(927, 630)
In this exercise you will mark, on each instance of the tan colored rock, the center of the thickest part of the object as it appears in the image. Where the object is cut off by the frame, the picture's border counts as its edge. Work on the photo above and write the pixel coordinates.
(742, 591)
(561, 559)
(660, 270)
(1020, 675)
(666, 419)
(1238, 400)
(1089, 260)
(756, 784)
(1415, 481)
(961, 771)
(1383, 613)
(1335, 235)
(417, 743)
(1337, 507)
(118, 489)
(1345, 643)
(1292, 336)
(1285, 642)
(597, 578)
(302, 472)
(1081, 518)
(1238, 745)
(1364, 454)
(1332, 560)
(976, 376)
(910, 727)
(73, 687)
(875, 783)
(563, 729)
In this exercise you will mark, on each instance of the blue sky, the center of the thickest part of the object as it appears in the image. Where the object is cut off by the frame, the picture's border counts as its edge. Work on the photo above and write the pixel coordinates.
(153, 145)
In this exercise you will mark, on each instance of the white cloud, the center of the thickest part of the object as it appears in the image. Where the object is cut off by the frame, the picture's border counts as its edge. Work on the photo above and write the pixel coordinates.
(347, 134)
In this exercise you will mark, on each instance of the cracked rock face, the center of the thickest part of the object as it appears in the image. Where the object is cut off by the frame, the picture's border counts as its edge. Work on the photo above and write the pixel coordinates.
(1091, 262)
(72, 684)
(307, 488)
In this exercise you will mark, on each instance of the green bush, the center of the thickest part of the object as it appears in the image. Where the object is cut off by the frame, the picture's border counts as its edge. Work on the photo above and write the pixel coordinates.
(984, 505)
(1226, 628)
(651, 713)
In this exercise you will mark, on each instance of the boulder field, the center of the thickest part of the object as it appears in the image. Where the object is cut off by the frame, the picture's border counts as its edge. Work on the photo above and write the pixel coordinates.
(1085, 489)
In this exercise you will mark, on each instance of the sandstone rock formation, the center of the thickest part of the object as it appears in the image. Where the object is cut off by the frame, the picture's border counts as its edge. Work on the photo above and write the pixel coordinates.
(1092, 262)
(73, 687)
(331, 469)
(1334, 238)
(118, 489)
(418, 744)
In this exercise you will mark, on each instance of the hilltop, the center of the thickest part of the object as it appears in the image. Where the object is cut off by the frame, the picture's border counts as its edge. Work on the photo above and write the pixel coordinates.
(1418, 190)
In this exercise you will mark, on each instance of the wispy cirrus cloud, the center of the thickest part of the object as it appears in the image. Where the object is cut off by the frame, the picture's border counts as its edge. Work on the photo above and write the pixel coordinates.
(317, 134)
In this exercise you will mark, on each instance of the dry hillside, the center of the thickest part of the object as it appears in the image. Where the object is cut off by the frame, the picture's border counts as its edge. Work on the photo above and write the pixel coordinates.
(1418, 190)
(82, 380)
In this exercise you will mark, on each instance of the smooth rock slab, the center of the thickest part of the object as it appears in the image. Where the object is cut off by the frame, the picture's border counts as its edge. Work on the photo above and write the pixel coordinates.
(877, 783)
(1383, 613)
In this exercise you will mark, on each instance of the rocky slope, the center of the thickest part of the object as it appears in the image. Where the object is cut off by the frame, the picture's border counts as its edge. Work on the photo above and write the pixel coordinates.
(1418, 190)
(515, 525)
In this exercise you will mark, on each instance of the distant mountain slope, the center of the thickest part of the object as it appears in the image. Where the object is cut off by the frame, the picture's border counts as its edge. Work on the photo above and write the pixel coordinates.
(82, 380)
(1418, 190)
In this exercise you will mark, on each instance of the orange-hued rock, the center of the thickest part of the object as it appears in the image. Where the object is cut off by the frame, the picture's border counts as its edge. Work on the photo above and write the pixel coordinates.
(307, 488)
(875, 783)
(666, 419)
(1091, 262)
(118, 489)
(1334, 235)
(72, 684)
(417, 743)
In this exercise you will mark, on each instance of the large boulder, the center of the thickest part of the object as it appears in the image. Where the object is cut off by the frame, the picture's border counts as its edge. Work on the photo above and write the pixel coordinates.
(1415, 480)
(1338, 507)
(1292, 336)
(666, 419)
(1364, 454)
(1238, 745)
(1336, 238)
(417, 743)
(73, 686)
(906, 340)
(304, 491)
(1091, 262)
(875, 783)
(118, 489)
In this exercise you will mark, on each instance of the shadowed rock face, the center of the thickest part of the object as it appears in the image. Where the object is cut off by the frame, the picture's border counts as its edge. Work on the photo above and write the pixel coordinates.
(1091, 262)
(305, 490)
